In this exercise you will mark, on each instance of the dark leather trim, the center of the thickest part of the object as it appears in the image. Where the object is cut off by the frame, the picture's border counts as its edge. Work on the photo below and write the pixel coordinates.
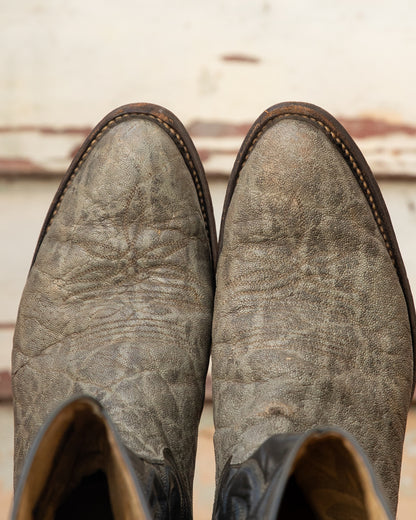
(255, 488)
(163, 487)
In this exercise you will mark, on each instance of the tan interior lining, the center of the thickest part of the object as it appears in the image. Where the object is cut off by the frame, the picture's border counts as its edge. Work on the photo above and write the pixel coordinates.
(78, 443)
(334, 480)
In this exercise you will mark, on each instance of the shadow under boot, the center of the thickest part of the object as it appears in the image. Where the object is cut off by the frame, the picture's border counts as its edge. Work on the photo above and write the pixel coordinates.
(320, 475)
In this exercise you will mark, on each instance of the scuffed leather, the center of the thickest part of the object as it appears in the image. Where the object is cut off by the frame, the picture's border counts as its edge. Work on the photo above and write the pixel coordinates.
(310, 322)
(260, 487)
(118, 304)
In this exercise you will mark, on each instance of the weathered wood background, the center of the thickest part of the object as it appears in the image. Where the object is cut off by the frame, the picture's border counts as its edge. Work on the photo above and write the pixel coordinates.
(216, 65)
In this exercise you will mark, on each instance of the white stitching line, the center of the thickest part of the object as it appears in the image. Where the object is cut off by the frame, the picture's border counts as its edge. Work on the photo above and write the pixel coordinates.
(346, 152)
(172, 131)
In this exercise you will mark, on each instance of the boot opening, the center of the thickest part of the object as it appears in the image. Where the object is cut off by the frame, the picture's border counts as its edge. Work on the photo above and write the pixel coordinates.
(330, 481)
(90, 499)
(79, 472)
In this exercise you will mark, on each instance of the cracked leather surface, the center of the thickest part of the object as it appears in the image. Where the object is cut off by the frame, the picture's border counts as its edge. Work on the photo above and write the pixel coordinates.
(310, 322)
(118, 304)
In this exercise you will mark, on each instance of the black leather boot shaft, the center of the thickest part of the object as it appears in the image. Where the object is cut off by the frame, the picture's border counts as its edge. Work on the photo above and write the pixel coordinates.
(320, 475)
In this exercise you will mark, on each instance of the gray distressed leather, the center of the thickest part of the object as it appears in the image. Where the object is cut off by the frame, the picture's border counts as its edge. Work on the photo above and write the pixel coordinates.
(118, 304)
(310, 322)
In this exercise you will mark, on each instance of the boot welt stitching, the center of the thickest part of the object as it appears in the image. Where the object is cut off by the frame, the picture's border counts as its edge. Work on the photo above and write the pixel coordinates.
(358, 174)
(178, 140)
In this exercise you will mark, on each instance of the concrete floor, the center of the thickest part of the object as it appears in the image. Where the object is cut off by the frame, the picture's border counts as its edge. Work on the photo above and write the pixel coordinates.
(205, 467)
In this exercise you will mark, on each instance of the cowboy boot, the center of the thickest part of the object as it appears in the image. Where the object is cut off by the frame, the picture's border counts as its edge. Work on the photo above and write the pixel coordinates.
(78, 468)
(314, 320)
(118, 301)
(321, 474)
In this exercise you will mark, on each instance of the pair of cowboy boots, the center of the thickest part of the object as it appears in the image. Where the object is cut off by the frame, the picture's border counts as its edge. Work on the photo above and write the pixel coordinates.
(312, 329)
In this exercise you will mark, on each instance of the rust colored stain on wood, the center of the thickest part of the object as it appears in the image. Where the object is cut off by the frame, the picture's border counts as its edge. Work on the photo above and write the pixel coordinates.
(217, 129)
(357, 127)
(19, 165)
(208, 388)
(205, 153)
(368, 127)
(5, 386)
(240, 58)
(7, 326)
(48, 130)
